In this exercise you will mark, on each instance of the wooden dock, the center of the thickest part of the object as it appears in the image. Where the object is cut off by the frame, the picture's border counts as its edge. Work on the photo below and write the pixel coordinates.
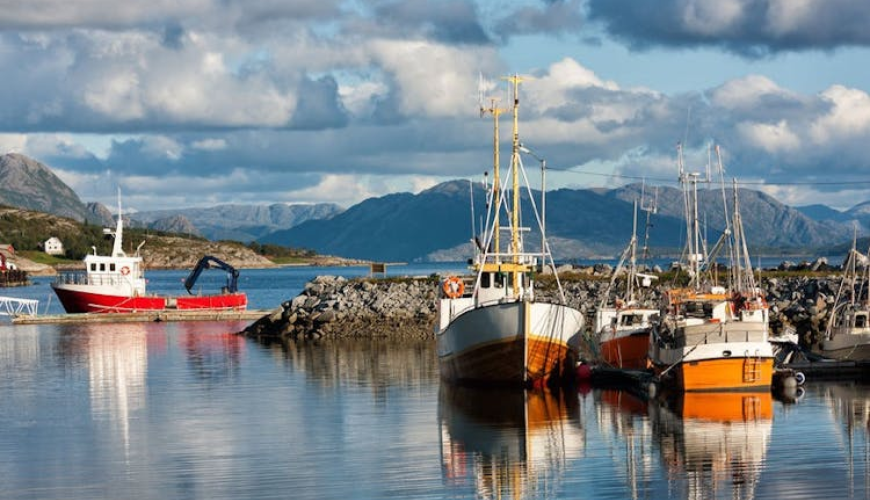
(140, 317)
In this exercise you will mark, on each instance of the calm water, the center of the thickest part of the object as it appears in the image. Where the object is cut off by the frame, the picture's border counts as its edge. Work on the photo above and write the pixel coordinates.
(190, 410)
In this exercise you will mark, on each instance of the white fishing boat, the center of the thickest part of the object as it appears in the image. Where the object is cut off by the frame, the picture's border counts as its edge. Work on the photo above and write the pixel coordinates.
(623, 325)
(492, 328)
(713, 337)
(847, 335)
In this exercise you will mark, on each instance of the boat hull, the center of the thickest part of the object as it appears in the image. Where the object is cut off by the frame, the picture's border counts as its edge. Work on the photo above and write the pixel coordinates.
(512, 343)
(79, 299)
(717, 374)
(627, 349)
(846, 345)
(714, 356)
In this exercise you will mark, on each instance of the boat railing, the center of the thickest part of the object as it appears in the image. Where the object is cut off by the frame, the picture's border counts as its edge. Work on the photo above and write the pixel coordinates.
(730, 332)
(83, 278)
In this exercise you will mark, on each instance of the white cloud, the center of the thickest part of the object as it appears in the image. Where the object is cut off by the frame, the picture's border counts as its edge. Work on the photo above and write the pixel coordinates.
(432, 79)
(163, 147)
(13, 143)
(744, 93)
(849, 116)
(209, 144)
(772, 138)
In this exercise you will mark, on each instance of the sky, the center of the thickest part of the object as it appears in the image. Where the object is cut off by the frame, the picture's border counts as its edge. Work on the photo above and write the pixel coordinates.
(194, 103)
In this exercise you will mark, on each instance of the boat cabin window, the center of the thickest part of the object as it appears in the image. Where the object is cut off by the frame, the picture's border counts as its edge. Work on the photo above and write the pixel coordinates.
(93, 266)
(860, 321)
(111, 266)
(632, 319)
(485, 280)
(499, 280)
(102, 266)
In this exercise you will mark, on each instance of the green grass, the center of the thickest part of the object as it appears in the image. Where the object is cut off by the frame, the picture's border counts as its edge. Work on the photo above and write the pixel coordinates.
(41, 257)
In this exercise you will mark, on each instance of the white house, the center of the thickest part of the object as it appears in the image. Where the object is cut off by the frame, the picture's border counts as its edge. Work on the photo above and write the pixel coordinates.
(53, 246)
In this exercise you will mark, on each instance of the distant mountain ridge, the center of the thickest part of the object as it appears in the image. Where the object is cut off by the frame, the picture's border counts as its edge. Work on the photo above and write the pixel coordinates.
(436, 224)
(581, 223)
(242, 222)
(27, 183)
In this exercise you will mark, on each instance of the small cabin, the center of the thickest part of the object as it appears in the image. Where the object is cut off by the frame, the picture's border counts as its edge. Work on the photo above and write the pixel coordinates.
(53, 246)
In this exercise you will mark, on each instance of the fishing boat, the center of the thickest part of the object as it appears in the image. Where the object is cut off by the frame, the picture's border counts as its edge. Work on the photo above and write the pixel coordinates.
(492, 327)
(847, 335)
(623, 326)
(116, 283)
(713, 337)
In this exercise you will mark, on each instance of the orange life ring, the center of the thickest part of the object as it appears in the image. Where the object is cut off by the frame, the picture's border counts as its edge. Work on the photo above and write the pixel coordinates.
(125, 270)
(453, 287)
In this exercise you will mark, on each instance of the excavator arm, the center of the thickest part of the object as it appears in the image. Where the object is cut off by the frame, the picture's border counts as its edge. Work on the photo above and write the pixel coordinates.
(207, 262)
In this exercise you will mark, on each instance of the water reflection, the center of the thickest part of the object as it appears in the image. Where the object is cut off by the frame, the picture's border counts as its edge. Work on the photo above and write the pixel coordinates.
(507, 443)
(713, 444)
(116, 358)
(375, 363)
(850, 406)
(623, 422)
(212, 357)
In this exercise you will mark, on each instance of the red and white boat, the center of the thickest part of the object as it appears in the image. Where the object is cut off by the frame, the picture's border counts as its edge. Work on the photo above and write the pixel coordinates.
(116, 284)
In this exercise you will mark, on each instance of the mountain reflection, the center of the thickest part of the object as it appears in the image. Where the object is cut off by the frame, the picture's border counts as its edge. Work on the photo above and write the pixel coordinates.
(508, 443)
(713, 444)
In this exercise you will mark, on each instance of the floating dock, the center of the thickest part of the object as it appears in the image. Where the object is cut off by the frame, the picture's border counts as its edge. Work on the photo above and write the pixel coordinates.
(140, 317)
(829, 369)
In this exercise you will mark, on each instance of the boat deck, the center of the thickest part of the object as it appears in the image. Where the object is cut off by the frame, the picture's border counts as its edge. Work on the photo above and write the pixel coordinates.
(144, 316)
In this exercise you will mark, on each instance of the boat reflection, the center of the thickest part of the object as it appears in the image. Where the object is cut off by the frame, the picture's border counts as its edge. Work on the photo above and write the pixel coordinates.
(508, 443)
(116, 358)
(624, 425)
(211, 356)
(713, 444)
(850, 404)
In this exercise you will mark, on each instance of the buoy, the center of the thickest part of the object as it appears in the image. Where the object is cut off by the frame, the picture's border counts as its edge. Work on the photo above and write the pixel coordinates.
(583, 372)
(800, 378)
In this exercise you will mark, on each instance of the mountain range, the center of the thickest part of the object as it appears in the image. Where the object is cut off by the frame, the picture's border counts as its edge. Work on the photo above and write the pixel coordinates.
(440, 223)
(581, 223)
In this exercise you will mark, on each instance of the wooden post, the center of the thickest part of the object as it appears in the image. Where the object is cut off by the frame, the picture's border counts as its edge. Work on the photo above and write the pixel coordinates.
(378, 267)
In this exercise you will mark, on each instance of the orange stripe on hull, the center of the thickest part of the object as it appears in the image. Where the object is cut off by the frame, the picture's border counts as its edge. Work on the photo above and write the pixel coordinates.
(724, 373)
(504, 362)
(626, 352)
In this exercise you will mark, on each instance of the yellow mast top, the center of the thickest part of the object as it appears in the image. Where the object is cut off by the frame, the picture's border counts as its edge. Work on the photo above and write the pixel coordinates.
(496, 179)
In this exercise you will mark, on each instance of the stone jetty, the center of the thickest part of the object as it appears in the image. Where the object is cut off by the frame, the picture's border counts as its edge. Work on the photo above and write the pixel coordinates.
(405, 307)
(363, 307)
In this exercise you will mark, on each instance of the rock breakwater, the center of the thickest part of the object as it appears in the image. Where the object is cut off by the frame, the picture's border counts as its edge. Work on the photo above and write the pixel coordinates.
(405, 307)
(336, 306)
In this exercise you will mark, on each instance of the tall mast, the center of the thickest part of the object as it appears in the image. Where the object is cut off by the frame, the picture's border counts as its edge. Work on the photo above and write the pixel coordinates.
(496, 178)
(117, 247)
(515, 173)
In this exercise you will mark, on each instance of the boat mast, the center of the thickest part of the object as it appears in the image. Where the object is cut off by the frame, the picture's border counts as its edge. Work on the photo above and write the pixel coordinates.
(515, 173)
(496, 178)
(117, 246)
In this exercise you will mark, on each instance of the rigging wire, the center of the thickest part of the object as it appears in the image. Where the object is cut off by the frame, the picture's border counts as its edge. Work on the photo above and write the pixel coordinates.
(741, 183)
